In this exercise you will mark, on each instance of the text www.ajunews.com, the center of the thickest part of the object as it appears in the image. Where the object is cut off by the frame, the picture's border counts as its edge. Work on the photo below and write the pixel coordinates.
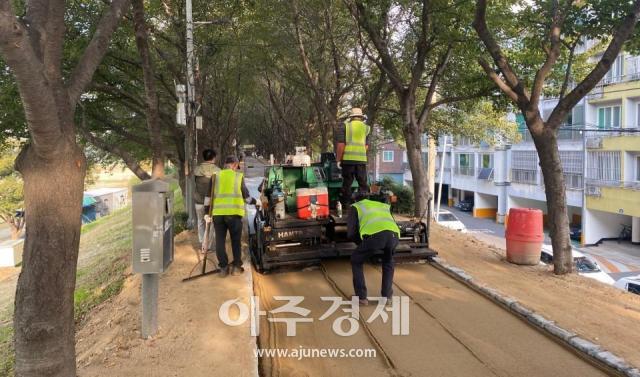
(308, 353)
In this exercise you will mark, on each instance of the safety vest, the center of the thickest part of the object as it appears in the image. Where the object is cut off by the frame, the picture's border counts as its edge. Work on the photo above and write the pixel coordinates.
(227, 194)
(375, 217)
(355, 141)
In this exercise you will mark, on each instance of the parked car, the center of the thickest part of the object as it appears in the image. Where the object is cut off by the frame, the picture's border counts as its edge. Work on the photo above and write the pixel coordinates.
(465, 206)
(575, 232)
(448, 219)
(584, 265)
(629, 284)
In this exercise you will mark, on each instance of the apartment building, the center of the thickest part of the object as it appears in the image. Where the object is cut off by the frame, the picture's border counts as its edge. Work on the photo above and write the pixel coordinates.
(390, 161)
(600, 152)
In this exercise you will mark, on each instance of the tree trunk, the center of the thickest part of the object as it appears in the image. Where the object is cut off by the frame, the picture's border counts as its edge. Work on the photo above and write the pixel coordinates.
(151, 96)
(44, 310)
(547, 146)
(413, 137)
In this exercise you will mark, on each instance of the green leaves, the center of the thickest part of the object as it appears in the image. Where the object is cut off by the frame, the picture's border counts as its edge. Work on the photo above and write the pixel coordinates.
(11, 191)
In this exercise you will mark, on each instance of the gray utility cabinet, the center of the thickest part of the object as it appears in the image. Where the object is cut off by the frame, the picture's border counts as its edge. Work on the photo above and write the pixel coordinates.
(152, 203)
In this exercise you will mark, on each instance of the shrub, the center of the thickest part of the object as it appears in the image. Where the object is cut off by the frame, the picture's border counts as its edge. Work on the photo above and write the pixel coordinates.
(180, 221)
(404, 194)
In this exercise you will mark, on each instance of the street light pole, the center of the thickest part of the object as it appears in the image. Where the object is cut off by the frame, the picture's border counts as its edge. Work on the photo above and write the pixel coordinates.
(190, 126)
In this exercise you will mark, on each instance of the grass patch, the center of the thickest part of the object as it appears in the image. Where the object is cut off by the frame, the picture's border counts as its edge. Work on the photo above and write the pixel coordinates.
(6, 351)
(105, 248)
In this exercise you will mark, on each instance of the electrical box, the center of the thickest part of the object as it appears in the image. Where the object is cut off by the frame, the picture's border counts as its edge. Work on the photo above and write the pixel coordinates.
(152, 207)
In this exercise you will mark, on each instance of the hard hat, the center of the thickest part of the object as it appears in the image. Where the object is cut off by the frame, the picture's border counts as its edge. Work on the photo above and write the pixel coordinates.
(356, 112)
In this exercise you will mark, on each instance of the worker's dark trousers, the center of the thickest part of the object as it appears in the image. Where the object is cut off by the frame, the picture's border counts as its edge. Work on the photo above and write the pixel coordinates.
(386, 241)
(233, 224)
(349, 172)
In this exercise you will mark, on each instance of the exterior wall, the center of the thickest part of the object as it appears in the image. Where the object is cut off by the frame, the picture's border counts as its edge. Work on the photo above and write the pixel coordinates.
(485, 206)
(394, 169)
(598, 225)
(616, 200)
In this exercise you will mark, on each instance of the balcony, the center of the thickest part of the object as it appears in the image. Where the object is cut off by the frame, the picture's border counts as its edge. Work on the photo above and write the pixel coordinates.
(468, 171)
(566, 133)
(598, 91)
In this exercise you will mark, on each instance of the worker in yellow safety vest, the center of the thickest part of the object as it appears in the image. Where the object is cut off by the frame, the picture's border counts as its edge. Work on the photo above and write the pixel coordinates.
(371, 225)
(351, 152)
(228, 197)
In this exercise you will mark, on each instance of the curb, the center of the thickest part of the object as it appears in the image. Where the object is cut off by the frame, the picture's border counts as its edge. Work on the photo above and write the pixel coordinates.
(581, 345)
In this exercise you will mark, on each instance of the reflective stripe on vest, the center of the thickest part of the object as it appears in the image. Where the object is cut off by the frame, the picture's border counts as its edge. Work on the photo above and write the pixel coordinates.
(355, 141)
(375, 217)
(227, 194)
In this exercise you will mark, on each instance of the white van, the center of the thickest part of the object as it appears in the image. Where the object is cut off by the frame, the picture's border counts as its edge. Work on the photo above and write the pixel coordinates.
(583, 264)
(629, 284)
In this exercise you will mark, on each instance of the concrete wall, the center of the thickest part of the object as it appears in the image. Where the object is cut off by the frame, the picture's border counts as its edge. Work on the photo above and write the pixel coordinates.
(485, 206)
(598, 225)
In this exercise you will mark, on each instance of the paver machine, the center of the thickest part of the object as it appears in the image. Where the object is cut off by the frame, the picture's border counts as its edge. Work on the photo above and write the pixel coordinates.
(302, 222)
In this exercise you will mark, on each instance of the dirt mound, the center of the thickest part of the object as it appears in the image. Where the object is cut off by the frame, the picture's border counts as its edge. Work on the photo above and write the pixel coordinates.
(596, 311)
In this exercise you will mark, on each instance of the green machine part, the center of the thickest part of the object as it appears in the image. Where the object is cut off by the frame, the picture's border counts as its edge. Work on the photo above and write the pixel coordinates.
(291, 178)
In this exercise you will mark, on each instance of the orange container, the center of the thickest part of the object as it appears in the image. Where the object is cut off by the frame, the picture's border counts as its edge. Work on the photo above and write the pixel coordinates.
(524, 236)
(307, 198)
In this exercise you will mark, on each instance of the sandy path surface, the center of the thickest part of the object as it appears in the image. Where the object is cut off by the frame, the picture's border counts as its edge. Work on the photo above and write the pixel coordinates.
(453, 330)
(192, 340)
(595, 311)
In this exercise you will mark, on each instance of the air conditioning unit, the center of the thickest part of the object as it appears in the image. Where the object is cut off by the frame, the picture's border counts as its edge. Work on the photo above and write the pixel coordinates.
(594, 142)
(593, 190)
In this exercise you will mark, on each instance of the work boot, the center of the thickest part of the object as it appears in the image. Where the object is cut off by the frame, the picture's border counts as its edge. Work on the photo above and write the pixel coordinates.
(237, 270)
(363, 302)
(224, 271)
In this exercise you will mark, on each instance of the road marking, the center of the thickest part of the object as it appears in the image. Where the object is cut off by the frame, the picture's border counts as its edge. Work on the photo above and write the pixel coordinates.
(608, 265)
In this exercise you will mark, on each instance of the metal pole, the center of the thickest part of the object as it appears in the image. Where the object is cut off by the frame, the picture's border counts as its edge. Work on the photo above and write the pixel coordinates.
(444, 154)
(190, 127)
(149, 305)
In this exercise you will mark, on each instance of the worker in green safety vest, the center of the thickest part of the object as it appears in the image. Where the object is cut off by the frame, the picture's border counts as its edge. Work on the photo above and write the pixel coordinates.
(371, 225)
(351, 152)
(228, 197)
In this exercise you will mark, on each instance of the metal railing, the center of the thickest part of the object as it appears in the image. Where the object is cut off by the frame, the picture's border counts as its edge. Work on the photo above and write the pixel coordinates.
(464, 170)
(525, 176)
(567, 132)
(598, 90)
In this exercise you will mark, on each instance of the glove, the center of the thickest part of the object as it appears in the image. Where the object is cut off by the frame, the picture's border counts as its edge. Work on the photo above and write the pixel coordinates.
(207, 219)
(339, 164)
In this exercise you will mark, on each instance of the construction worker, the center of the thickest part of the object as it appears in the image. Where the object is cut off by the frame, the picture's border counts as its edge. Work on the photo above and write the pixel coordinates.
(351, 141)
(203, 174)
(228, 197)
(371, 225)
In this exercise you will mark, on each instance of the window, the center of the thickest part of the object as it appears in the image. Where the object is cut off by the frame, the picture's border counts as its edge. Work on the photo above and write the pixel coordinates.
(464, 164)
(615, 73)
(638, 168)
(524, 167)
(577, 117)
(487, 160)
(609, 117)
(633, 288)
(633, 67)
(638, 114)
(603, 167)
(387, 156)
(572, 169)
(446, 217)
